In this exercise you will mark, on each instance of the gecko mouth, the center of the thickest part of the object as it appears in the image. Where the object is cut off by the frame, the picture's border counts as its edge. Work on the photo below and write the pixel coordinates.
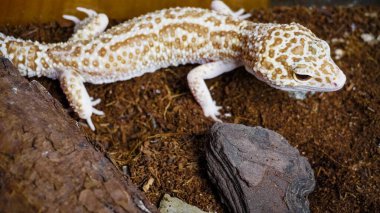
(306, 89)
(334, 87)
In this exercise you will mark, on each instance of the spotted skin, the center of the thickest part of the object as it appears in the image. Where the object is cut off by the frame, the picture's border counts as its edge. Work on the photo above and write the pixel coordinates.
(287, 57)
(292, 58)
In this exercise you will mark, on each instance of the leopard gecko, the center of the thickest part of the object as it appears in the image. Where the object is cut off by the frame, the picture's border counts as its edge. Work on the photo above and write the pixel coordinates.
(286, 56)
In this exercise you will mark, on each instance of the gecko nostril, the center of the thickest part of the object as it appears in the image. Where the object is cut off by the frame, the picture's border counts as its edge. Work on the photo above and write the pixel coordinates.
(335, 84)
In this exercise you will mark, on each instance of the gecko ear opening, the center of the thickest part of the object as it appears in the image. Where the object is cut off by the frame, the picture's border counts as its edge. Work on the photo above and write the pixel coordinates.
(301, 77)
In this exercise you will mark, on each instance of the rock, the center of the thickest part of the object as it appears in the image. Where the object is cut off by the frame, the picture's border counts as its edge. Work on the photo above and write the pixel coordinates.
(174, 205)
(256, 170)
(47, 164)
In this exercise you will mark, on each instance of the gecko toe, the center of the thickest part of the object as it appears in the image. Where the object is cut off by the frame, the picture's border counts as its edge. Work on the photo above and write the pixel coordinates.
(97, 112)
(90, 124)
(245, 16)
(95, 102)
(216, 119)
(239, 12)
(213, 112)
(71, 18)
(88, 12)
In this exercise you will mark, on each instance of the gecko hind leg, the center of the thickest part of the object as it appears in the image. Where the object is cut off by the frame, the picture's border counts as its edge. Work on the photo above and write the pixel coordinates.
(199, 88)
(75, 91)
(90, 27)
(221, 7)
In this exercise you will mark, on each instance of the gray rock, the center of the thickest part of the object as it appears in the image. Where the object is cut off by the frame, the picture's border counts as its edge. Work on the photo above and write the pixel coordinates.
(256, 170)
(174, 205)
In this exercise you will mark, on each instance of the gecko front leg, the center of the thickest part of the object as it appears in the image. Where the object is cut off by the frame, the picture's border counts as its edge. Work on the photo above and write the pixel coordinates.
(199, 88)
(72, 85)
(90, 27)
(221, 7)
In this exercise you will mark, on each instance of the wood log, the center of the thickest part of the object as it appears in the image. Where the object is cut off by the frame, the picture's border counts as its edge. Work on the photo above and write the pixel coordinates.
(47, 164)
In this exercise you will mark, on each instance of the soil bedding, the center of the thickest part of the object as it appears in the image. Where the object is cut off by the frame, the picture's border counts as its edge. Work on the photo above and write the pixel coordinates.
(155, 131)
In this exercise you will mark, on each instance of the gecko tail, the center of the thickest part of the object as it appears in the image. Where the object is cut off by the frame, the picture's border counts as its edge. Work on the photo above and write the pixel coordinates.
(26, 55)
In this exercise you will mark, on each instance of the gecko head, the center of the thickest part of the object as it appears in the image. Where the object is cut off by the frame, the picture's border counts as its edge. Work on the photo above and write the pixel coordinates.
(292, 58)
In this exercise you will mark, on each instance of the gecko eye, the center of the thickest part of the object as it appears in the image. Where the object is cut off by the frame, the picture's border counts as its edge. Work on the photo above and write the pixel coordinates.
(301, 77)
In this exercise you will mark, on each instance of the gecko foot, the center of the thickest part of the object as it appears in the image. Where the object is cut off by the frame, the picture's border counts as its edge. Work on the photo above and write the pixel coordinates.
(95, 111)
(89, 13)
(88, 119)
(221, 7)
(91, 110)
(212, 112)
(79, 23)
(94, 103)
(240, 14)
(89, 27)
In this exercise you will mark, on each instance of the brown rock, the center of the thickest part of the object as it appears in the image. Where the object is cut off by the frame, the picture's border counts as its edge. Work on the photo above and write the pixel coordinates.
(256, 170)
(46, 164)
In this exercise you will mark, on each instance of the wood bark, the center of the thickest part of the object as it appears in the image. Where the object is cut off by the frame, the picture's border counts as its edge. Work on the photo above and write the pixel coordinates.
(47, 164)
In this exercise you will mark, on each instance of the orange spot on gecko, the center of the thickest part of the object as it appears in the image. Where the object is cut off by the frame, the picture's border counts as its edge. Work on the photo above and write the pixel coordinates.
(277, 41)
(102, 52)
(268, 65)
(214, 20)
(271, 53)
(85, 62)
(298, 50)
